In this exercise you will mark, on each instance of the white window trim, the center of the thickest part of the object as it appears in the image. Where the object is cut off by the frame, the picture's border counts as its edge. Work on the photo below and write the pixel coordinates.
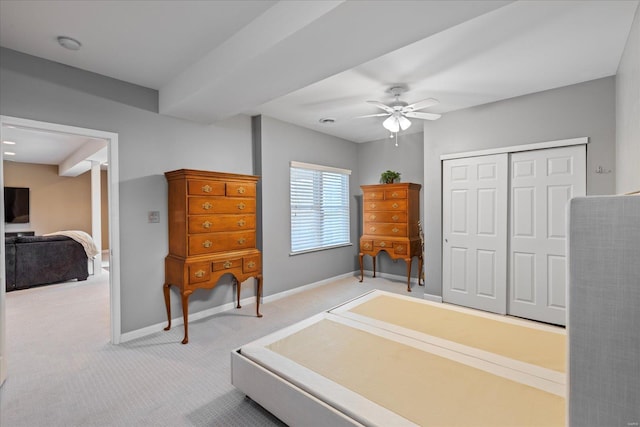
(323, 168)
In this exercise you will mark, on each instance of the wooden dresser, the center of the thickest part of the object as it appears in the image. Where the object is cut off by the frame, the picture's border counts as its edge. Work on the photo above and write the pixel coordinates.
(391, 213)
(212, 232)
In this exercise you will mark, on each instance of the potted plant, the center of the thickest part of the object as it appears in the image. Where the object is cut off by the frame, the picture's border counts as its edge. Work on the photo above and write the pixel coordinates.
(389, 177)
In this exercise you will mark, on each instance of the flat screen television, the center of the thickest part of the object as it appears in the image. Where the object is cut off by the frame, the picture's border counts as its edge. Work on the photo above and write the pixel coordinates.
(16, 205)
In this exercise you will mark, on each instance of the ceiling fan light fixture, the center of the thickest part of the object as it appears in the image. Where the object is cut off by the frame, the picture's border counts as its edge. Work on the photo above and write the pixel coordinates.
(404, 122)
(392, 124)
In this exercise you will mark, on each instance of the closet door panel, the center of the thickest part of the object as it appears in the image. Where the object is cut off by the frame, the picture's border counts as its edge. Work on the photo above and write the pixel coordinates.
(475, 232)
(542, 183)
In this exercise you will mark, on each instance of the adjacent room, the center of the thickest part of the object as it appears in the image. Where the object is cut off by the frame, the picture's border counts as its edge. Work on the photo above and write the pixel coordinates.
(320, 213)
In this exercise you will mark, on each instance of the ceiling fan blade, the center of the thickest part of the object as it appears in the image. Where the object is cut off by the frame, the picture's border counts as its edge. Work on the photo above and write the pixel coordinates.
(372, 115)
(423, 116)
(421, 104)
(382, 106)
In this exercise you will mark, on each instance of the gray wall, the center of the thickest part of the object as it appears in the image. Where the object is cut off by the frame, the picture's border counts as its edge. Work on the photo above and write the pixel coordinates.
(407, 158)
(280, 143)
(149, 145)
(627, 169)
(585, 109)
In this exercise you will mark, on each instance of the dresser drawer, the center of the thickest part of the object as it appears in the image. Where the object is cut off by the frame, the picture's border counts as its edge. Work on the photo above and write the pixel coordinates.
(211, 223)
(227, 264)
(383, 244)
(241, 189)
(200, 244)
(366, 245)
(205, 205)
(395, 194)
(384, 229)
(385, 217)
(205, 188)
(200, 272)
(251, 264)
(374, 195)
(386, 205)
(400, 248)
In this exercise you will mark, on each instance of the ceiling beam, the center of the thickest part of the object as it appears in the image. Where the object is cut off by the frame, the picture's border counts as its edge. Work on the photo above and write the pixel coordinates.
(295, 44)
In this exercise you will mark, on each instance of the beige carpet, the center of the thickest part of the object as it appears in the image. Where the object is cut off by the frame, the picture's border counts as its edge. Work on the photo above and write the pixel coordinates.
(64, 372)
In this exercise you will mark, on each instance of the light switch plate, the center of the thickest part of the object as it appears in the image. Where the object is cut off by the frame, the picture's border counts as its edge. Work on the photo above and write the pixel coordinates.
(154, 216)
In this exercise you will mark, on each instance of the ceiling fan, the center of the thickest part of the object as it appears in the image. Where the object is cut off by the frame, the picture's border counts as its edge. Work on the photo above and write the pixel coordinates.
(399, 111)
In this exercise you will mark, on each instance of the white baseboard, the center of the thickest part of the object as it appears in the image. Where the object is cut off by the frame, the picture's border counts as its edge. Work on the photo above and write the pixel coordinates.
(434, 298)
(152, 329)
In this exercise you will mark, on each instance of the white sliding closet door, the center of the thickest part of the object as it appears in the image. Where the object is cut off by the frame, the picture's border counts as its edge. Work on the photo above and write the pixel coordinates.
(542, 182)
(475, 232)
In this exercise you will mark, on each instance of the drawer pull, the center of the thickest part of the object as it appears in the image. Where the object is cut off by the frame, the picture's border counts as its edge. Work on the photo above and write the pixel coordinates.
(207, 243)
(394, 206)
(206, 206)
(394, 194)
(373, 195)
(372, 217)
(251, 264)
(399, 248)
(207, 224)
(367, 246)
(241, 241)
(242, 223)
(372, 229)
(241, 206)
(199, 274)
(395, 230)
(383, 244)
(227, 264)
(206, 189)
(372, 205)
(241, 190)
(395, 217)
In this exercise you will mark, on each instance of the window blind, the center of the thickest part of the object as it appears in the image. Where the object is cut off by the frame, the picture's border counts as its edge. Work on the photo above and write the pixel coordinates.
(319, 207)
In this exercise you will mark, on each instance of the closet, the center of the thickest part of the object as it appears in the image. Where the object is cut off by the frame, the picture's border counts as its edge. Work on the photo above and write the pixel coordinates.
(504, 227)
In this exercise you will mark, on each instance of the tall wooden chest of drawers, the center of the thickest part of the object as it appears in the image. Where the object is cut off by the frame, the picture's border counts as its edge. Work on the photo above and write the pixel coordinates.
(391, 213)
(212, 232)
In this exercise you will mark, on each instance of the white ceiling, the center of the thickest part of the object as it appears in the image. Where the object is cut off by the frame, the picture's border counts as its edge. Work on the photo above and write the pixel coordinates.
(300, 61)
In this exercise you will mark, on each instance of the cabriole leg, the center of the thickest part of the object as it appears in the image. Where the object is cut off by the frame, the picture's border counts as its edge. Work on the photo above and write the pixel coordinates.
(238, 285)
(361, 268)
(374, 265)
(167, 303)
(408, 261)
(258, 294)
(185, 315)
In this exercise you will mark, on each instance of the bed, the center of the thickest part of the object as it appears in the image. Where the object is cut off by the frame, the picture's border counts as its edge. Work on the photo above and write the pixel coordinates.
(389, 360)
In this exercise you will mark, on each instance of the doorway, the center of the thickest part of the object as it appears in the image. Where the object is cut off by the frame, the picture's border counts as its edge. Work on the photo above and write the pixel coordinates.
(111, 138)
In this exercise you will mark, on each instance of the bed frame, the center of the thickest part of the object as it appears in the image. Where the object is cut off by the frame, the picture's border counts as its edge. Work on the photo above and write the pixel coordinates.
(300, 396)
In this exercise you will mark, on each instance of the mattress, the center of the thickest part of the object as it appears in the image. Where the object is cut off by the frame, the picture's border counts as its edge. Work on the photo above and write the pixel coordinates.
(382, 359)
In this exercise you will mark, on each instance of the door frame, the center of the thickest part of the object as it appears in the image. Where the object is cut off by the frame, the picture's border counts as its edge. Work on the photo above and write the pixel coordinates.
(114, 224)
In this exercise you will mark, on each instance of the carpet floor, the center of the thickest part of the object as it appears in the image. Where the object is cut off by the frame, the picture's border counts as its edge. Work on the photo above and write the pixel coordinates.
(62, 370)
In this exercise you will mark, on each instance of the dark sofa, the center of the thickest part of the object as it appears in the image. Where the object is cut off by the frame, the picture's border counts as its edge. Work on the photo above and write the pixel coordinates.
(40, 260)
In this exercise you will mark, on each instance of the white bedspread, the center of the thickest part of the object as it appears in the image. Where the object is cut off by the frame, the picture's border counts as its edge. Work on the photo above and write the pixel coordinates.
(81, 237)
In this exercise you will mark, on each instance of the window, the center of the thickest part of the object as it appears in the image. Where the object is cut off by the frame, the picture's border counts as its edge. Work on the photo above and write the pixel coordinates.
(319, 207)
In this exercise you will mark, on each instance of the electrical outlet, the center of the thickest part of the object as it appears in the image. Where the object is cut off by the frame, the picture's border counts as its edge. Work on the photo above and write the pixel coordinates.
(154, 216)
